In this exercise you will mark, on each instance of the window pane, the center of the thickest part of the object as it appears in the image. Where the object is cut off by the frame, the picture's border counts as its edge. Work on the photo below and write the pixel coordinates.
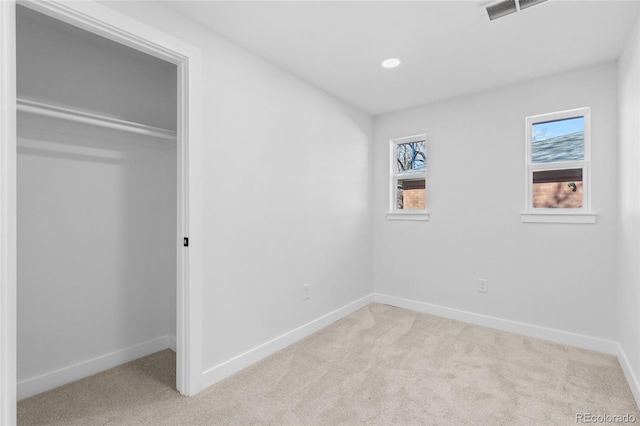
(557, 189)
(411, 157)
(560, 140)
(411, 195)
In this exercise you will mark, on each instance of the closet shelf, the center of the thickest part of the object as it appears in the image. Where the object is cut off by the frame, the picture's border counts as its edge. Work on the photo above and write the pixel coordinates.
(77, 116)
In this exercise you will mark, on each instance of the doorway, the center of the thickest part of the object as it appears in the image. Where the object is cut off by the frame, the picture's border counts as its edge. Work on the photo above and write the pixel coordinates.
(96, 199)
(97, 182)
(110, 24)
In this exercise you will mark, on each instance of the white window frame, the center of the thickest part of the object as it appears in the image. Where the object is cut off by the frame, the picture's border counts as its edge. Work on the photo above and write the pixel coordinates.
(559, 215)
(400, 214)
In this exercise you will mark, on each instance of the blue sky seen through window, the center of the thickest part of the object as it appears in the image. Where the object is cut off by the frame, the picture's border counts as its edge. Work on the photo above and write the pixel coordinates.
(552, 129)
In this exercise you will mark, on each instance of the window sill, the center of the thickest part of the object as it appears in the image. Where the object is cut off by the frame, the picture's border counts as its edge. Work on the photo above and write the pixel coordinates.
(409, 215)
(558, 217)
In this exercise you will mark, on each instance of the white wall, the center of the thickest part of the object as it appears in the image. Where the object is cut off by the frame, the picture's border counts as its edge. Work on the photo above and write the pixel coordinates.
(629, 202)
(95, 268)
(95, 82)
(96, 210)
(555, 276)
(286, 195)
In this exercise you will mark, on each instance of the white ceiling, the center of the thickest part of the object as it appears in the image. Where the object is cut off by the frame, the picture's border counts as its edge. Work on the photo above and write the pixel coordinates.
(447, 48)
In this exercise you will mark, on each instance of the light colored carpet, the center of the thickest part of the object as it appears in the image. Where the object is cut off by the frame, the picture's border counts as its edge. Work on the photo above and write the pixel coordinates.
(380, 365)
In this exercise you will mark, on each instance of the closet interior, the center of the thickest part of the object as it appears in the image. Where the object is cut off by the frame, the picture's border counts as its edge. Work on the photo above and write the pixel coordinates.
(97, 178)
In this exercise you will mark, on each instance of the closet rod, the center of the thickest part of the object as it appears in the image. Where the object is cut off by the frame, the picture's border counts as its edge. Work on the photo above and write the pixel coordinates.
(68, 114)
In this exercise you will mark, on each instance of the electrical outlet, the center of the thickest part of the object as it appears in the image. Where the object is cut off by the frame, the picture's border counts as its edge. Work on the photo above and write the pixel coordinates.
(483, 285)
(305, 291)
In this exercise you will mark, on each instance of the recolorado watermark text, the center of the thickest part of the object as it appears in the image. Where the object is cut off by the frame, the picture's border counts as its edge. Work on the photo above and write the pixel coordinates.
(605, 418)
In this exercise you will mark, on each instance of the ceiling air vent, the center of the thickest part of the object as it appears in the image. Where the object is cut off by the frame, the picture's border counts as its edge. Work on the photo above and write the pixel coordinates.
(528, 3)
(498, 9)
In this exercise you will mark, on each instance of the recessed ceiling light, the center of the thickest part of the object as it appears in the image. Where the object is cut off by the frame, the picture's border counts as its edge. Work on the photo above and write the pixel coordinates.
(391, 62)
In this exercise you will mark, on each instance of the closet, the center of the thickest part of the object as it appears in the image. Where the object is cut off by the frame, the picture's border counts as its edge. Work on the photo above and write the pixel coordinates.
(96, 188)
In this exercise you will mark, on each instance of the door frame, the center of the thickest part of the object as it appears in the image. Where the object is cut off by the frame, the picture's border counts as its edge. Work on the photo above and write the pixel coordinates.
(108, 23)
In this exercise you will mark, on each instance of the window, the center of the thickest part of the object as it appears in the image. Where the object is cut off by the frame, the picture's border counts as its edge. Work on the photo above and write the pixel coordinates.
(557, 168)
(408, 179)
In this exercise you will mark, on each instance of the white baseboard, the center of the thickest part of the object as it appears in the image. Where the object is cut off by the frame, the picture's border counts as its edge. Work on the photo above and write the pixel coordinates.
(553, 335)
(232, 366)
(629, 375)
(48, 381)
